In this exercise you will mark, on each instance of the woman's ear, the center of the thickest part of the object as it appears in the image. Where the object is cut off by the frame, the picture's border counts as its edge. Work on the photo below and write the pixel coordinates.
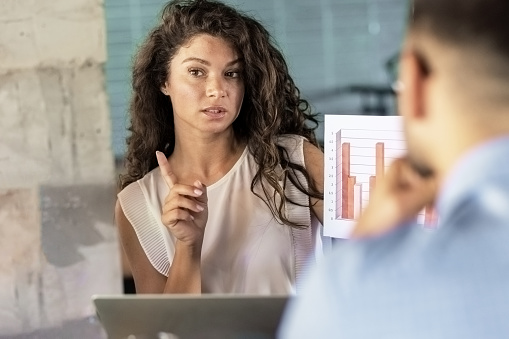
(164, 89)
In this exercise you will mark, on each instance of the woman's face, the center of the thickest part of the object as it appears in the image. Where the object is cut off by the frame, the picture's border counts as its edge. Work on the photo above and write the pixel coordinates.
(205, 85)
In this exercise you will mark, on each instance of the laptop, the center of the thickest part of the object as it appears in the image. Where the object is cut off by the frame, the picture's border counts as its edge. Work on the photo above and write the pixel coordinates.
(189, 316)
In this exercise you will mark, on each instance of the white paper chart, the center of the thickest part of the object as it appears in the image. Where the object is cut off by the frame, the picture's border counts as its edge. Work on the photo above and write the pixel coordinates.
(358, 149)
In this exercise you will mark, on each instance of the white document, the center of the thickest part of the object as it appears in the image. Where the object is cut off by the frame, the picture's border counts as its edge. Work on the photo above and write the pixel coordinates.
(358, 149)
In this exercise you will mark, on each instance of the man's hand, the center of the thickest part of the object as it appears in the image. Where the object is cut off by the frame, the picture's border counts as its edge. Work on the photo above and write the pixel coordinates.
(398, 198)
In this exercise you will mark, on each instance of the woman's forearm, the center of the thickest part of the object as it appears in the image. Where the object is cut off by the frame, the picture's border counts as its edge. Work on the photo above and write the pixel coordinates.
(185, 271)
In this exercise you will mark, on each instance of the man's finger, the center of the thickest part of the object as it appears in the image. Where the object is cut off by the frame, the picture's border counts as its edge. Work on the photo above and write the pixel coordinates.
(166, 171)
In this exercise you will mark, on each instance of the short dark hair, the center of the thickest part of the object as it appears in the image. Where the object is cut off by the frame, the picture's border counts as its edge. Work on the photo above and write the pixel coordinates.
(478, 23)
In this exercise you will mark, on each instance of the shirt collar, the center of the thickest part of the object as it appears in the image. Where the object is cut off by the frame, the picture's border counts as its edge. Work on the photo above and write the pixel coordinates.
(472, 170)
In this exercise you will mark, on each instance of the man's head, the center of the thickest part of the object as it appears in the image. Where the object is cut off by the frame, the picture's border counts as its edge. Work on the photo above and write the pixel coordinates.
(455, 76)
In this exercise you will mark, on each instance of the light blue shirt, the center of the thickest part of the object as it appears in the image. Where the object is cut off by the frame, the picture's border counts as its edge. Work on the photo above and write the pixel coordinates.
(452, 282)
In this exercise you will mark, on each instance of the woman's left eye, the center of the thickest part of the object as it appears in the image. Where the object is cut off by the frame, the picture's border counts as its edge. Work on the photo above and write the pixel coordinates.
(233, 74)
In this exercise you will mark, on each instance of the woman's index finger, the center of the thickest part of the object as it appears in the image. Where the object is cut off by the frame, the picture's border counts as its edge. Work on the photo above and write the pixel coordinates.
(168, 176)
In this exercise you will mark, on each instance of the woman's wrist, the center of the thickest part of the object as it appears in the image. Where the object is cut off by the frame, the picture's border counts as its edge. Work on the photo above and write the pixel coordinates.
(190, 250)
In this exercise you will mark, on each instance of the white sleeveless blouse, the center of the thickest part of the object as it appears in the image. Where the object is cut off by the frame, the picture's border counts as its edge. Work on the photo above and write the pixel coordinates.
(245, 250)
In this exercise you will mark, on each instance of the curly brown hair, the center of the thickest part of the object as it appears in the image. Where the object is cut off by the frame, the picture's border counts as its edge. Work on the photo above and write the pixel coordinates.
(272, 104)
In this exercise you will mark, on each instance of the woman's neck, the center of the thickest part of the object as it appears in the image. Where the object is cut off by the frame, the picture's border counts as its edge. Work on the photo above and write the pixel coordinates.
(205, 158)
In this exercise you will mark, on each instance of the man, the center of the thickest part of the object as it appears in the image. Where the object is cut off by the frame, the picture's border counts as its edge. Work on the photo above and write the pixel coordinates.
(398, 280)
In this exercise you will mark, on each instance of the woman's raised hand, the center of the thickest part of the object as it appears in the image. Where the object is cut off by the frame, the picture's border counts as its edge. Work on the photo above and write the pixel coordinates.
(185, 209)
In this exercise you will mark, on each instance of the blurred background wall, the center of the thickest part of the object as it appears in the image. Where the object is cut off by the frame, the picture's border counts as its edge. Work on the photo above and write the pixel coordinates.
(58, 244)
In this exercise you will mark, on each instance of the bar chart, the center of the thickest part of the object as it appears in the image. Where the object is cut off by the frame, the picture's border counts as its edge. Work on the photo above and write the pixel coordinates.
(358, 150)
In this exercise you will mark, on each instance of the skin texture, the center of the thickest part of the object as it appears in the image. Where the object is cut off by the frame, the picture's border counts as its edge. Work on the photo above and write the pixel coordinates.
(204, 73)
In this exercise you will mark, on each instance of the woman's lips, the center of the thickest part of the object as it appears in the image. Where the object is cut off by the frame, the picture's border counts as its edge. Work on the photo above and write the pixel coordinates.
(215, 112)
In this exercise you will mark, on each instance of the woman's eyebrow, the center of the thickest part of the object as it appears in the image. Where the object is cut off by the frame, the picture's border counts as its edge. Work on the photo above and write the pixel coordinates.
(201, 61)
(205, 62)
(233, 62)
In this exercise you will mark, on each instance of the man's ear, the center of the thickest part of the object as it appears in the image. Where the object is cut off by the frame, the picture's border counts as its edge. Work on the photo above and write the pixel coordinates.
(413, 76)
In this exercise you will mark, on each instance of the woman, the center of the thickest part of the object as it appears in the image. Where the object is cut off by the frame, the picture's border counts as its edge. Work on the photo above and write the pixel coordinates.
(231, 201)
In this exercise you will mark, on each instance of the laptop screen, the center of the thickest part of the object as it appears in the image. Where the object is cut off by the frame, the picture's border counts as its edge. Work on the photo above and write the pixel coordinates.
(190, 316)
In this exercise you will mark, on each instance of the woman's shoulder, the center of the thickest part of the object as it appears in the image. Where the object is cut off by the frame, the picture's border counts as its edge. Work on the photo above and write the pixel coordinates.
(300, 150)
(294, 146)
(290, 140)
(294, 142)
(141, 203)
(150, 182)
(152, 178)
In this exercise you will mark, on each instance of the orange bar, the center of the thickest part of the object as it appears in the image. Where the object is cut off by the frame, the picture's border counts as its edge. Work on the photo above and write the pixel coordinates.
(380, 158)
(338, 187)
(372, 183)
(351, 204)
(345, 170)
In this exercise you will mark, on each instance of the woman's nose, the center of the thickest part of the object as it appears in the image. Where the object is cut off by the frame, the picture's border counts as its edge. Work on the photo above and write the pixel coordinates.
(216, 87)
